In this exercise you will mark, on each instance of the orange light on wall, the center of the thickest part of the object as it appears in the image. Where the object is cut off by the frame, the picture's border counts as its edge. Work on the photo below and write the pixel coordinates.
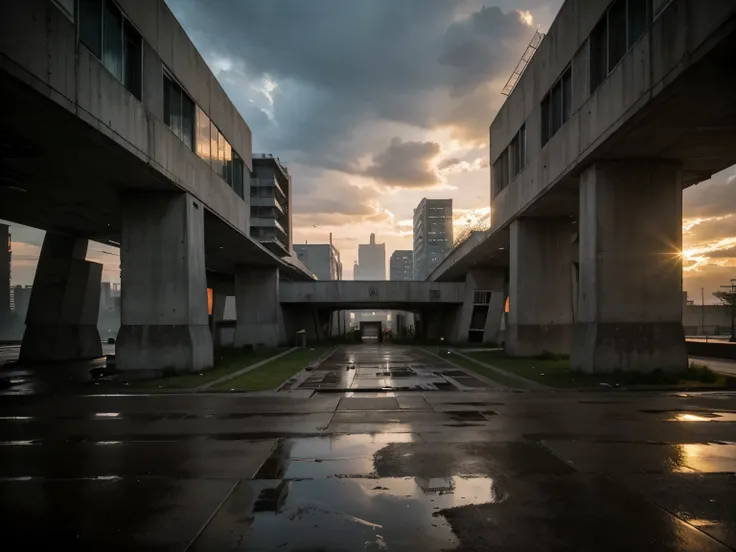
(210, 294)
(506, 306)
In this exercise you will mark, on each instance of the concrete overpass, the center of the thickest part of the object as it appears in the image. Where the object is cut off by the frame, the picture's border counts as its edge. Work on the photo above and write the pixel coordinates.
(448, 310)
(624, 105)
(119, 148)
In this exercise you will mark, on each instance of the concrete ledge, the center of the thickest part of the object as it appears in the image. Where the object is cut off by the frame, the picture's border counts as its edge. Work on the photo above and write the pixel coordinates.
(644, 347)
(536, 339)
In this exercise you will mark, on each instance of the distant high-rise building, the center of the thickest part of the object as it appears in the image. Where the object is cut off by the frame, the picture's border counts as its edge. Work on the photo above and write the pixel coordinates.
(322, 259)
(401, 265)
(21, 300)
(432, 235)
(5, 260)
(371, 263)
(270, 204)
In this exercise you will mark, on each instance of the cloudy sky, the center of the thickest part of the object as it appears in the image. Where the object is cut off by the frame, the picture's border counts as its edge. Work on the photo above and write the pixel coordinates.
(374, 104)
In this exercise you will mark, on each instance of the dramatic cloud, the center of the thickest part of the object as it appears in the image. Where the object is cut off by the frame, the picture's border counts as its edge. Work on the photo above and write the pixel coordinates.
(406, 164)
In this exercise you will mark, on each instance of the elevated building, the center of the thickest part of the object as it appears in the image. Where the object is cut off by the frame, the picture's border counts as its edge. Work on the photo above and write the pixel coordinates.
(270, 204)
(401, 265)
(322, 259)
(432, 235)
(371, 263)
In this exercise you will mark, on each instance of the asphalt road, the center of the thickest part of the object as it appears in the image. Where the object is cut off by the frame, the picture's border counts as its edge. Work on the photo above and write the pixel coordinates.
(483, 469)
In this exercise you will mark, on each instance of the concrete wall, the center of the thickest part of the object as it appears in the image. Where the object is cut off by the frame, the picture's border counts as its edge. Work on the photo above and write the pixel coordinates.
(670, 46)
(359, 294)
(76, 80)
(706, 319)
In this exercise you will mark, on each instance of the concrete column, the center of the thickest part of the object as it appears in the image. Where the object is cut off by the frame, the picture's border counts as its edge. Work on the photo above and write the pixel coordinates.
(61, 323)
(540, 291)
(258, 307)
(482, 280)
(630, 275)
(164, 285)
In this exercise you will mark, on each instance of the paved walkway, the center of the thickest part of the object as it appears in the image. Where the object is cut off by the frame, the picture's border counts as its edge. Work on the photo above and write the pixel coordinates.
(422, 470)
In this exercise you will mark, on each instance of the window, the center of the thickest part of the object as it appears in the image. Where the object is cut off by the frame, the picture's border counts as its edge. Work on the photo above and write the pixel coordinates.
(214, 145)
(501, 172)
(203, 135)
(616, 33)
(638, 19)
(67, 6)
(178, 111)
(517, 153)
(132, 60)
(557, 106)
(238, 175)
(624, 23)
(90, 25)
(113, 39)
(566, 95)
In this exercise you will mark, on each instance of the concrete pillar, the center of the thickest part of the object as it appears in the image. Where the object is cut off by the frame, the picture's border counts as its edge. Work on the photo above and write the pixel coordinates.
(61, 323)
(630, 273)
(540, 291)
(482, 280)
(259, 318)
(164, 286)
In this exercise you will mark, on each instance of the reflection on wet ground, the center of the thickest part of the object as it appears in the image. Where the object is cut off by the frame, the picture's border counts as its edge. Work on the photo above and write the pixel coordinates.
(379, 368)
(424, 469)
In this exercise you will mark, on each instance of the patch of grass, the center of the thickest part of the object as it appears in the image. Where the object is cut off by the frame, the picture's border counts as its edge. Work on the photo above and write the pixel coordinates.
(274, 373)
(227, 361)
(482, 370)
(554, 370)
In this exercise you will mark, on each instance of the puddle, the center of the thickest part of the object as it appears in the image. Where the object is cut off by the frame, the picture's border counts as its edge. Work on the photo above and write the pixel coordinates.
(693, 415)
(362, 514)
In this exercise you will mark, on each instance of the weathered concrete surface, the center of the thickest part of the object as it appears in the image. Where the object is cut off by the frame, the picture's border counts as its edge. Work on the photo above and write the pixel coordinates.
(482, 470)
(630, 284)
(259, 316)
(61, 324)
(164, 286)
(540, 287)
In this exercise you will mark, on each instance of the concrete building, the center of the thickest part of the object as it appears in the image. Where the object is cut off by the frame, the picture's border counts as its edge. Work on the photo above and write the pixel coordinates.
(432, 234)
(401, 265)
(624, 104)
(371, 263)
(21, 300)
(322, 259)
(5, 266)
(270, 204)
(147, 153)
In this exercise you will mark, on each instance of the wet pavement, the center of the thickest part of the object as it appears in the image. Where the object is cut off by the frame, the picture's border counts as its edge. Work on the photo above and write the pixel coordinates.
(303, 470)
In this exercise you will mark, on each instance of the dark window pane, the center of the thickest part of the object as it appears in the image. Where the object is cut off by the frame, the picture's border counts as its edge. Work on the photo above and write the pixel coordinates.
(238, 170)
(556, 108)
(566, 95)
(545, 119)
(132, 60)
(522, 146)
(616, 33)
(168, 91)
(598, 57)
(112, 40)
(187, 120)
(638, 19)
(90, 25)
(214, 139)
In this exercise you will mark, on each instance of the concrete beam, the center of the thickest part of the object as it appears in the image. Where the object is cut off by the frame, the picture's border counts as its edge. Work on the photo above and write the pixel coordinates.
(61, 323)
(630, 288)
(164, 286)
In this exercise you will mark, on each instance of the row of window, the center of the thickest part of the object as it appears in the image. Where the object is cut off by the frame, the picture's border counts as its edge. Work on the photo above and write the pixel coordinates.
(112, 38)
(623, 24)
(194, 128)
(557, 106)
(510, 162)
